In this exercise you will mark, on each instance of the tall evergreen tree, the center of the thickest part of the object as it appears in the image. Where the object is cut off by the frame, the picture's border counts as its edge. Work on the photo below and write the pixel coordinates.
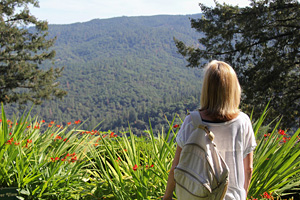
(22, 50)
(261, 42)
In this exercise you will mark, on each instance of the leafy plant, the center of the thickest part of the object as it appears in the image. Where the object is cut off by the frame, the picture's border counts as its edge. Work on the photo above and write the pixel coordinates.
(48, 161)
(46, 165)
(132, 167)
(276, 160)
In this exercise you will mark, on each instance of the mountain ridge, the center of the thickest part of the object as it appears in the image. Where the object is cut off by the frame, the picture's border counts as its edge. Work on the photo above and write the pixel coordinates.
(123, 70)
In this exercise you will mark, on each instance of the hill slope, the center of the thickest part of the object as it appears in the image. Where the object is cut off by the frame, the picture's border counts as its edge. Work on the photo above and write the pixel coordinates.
(123, 70)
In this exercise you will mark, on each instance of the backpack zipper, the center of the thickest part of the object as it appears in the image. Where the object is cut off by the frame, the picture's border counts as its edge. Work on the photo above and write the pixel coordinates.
(218, 183)
(206, 187)
(190, 192)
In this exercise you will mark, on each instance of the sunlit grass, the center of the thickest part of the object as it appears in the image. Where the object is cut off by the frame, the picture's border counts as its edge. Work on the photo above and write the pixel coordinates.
(45, 160)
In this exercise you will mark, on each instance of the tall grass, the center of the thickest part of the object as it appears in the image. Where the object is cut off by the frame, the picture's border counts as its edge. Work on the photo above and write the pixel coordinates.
(47, 161)
(132, 167)
(276, 160)
(43, 165)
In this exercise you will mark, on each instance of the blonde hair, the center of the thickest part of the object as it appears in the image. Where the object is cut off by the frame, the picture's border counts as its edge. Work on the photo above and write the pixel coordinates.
(221, 91)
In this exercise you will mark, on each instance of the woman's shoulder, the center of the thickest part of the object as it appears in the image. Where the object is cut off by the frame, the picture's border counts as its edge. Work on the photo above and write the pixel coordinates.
(187, 119)
(243, 116)
(242, 119)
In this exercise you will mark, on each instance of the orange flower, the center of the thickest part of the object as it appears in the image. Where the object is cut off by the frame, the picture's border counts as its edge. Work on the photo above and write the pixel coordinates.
(147, 166)
(10, 141)
(54, 159)
(28, 142)
(69, 123)
(281, 132)
(73, 159)
(112, 134)
(135, 167)
(284, 139)
(176, 126)
(77, 122)
(58, 137)
(37, 127)
(267, 196)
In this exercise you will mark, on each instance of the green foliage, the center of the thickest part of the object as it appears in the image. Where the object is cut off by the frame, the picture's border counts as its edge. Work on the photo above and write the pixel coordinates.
(261, 42)
(122, 71)
(45, 161)
(134, 168)
(276, 160)
(22, 50)
(43, 165)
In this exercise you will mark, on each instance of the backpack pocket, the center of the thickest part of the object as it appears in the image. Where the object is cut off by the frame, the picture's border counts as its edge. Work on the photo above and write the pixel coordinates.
(187, 184)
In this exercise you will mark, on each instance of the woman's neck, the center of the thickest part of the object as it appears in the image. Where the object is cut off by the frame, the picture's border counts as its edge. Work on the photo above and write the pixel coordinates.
(205, 116)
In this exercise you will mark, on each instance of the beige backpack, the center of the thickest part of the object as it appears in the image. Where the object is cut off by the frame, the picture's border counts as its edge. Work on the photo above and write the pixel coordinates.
(201, 172)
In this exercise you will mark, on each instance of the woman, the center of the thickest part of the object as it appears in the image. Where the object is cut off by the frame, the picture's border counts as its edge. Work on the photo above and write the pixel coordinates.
(234, 137)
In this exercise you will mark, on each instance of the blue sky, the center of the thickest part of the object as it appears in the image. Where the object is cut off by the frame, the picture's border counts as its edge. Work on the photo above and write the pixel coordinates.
(71, 11)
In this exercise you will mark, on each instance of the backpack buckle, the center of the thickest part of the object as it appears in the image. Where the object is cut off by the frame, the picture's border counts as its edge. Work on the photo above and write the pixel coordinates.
(210, 134)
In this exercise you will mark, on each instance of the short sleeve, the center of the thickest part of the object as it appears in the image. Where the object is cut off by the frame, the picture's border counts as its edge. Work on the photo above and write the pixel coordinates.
(249, 138)
(184, 131)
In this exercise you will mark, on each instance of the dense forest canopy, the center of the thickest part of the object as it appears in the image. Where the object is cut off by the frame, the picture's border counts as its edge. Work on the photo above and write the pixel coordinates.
(122, 71)
(262, 43)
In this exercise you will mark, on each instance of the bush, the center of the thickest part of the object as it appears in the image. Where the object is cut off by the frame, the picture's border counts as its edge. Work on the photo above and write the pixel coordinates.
(49, 161)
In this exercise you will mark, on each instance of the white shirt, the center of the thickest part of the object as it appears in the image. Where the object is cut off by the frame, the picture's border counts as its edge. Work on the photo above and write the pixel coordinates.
(235, 140)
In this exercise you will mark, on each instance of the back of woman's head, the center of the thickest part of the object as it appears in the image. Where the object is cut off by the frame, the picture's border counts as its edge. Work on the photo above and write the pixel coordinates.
(221, 91)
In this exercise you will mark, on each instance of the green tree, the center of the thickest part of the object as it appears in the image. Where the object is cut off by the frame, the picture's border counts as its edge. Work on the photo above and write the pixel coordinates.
(261, 42)
(22, 49)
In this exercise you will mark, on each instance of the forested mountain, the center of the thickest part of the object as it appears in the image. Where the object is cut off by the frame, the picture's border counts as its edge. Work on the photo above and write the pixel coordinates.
(122, 70)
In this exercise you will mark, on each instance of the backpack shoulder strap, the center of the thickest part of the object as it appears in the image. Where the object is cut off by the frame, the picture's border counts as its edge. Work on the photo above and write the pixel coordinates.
(197, 123)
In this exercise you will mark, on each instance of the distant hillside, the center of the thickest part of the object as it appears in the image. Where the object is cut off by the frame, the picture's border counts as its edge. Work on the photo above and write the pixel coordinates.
(123, 70)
